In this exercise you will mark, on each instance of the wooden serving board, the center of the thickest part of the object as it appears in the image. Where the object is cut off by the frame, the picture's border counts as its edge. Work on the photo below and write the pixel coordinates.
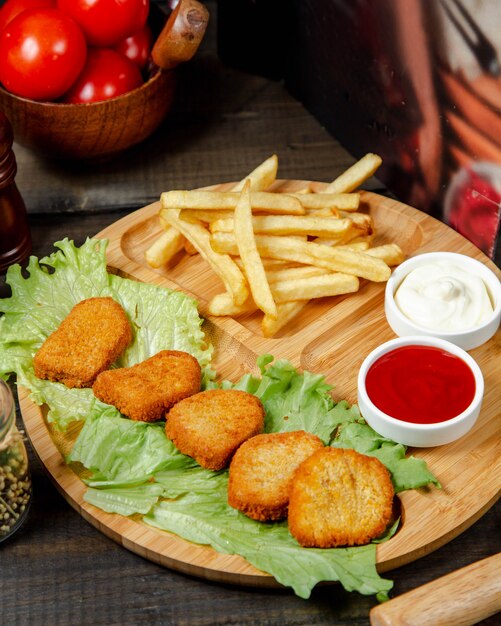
(331, 336)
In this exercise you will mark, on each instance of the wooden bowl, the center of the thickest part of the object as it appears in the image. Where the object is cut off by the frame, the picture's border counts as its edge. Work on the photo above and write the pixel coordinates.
(98, 129)
(103, 129)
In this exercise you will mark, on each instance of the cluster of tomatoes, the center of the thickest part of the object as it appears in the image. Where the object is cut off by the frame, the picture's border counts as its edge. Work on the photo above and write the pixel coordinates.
(73, 51)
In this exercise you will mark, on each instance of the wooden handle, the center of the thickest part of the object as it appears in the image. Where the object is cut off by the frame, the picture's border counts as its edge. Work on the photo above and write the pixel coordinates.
(181, 35)
(464, 597)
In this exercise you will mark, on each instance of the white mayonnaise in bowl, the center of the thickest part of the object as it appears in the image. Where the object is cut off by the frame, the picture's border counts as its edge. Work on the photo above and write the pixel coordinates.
(445, 295)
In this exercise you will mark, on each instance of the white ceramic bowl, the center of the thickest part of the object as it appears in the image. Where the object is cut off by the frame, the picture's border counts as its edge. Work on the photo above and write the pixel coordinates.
(466, 339)
(412, 434)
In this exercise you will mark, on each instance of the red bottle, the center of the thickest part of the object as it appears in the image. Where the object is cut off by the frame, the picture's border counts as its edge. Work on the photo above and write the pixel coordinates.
(15, 239)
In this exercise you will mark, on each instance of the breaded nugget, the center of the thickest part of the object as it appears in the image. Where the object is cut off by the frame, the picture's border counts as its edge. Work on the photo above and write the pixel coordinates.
(210, 425)
(261, 472)
(88, 340)
(339, 498)
(145, 392)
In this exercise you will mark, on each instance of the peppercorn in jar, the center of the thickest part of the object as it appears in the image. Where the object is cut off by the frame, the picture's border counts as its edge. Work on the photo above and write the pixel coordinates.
(15, 482)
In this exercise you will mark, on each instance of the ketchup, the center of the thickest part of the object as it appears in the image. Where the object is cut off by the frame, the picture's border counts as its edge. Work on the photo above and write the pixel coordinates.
(420, 384)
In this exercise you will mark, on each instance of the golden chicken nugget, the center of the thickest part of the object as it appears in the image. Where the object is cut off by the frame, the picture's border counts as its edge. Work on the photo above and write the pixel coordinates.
(210, 425)
(145, 392)
(261, 472)
(87, 342)
(339, 498)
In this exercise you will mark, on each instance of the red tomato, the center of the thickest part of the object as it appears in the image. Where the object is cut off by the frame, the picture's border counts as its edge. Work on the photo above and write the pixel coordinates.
(106, 22)
(137, 47)
(42, 51)
(13, 7)
(107, 74)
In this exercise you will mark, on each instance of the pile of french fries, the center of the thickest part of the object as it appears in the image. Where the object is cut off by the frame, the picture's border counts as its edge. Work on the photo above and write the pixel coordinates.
(276, 251)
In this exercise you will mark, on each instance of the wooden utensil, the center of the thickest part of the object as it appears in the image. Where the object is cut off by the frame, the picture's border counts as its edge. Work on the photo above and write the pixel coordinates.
(182, 34)
(103, 129)
(331, 336)
(464, 597)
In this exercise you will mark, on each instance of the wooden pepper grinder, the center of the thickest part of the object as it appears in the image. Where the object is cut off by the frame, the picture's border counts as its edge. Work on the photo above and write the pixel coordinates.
(15, 239)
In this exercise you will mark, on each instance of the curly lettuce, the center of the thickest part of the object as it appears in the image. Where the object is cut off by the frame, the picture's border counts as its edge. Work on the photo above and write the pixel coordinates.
(133, 468)
(45, 293)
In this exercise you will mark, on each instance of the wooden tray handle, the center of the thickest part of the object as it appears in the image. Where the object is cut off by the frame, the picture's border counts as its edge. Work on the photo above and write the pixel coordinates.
(464, 597)
(181, 35)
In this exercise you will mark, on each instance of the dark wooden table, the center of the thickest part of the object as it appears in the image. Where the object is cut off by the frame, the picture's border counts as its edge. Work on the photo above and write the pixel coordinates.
(60, 570)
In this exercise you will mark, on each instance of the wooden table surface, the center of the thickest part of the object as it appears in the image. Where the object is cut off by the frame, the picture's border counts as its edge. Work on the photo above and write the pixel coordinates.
(60, 570)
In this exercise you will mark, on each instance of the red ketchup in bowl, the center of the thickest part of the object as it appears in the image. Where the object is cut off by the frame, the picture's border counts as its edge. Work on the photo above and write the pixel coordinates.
(420, 384)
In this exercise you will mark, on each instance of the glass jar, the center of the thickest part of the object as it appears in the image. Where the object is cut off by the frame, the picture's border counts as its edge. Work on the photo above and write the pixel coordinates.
(15, 481)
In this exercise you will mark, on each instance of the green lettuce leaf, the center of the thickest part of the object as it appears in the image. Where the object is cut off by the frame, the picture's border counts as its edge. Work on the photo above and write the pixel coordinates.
(203, 516)
(125, 500)
(132, 468)
(65, 405)
(293, 400)
(161, 319)
(302, 401)
(115, 448)
(197, 508)
(191, 478)
(407, 472)
(53, 286)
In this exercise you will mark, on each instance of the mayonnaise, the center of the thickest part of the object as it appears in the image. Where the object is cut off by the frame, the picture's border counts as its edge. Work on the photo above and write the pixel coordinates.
(444, 296)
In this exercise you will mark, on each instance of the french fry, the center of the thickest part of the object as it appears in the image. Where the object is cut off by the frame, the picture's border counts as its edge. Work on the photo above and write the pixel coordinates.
(325, 212)
(274, 252)
(254, 270)
(363, 221)
(350, 262)
(163, 249)
(262, 176)
(227, 270)
(291, 225)
(268, 264)
(306, 189)
(390, 253)
(336, 241)
(285, 313)
(272, 247)
(223, 304)
(225, 243)
(362, 230)
(208, 217)
(344, 201)
(365, 239)
(293, 273)
(359, 246)
(332, 284)
(222, 226)
(208, 200)
(355, 175)
(308, 253)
